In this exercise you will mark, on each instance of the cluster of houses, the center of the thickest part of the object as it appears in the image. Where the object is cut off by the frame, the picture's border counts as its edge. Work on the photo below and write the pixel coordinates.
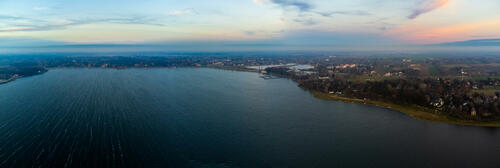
(389, 74)
(345, 66)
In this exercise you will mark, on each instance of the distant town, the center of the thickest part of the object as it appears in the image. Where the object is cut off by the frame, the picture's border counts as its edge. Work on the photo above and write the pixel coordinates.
(460, 89)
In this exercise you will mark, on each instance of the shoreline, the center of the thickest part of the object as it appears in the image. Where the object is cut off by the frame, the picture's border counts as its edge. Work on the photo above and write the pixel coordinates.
(13, 78)
(416, 112)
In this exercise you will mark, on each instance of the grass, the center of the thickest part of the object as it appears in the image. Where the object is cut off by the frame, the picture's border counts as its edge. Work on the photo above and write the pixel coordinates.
(417, 112)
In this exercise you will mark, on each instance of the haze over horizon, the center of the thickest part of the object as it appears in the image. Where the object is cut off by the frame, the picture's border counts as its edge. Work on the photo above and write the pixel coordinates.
(251, 23)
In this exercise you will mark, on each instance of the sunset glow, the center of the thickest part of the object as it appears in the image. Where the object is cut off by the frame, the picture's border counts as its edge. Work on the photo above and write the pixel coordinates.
(112, 21)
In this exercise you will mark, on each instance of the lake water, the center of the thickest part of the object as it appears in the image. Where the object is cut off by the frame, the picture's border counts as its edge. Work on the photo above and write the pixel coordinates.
(215, 118)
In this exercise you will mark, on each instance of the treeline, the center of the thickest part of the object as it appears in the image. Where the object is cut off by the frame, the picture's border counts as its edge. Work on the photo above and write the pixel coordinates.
(9, 71)
(445, 96)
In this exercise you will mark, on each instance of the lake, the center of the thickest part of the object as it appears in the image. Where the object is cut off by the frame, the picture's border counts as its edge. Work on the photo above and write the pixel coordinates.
(196, 117)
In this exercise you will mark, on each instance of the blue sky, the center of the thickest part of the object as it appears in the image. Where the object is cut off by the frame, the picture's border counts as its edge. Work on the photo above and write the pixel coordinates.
(297, 22)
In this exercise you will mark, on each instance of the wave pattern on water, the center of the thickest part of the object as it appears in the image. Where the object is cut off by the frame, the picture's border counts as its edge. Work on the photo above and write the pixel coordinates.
(214, 118)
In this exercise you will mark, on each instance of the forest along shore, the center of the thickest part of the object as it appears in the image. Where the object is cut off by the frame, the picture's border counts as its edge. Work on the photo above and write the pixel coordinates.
(455, 101)
(416, 112)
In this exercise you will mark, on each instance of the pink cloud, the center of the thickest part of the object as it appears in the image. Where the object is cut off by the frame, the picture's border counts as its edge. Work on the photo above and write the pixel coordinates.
(428, 6)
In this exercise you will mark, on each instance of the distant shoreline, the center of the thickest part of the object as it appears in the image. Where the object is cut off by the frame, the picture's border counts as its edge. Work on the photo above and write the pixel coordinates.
(416, 112)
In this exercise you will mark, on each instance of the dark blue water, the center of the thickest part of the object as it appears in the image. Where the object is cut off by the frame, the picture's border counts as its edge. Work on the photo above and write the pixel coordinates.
(215, 118)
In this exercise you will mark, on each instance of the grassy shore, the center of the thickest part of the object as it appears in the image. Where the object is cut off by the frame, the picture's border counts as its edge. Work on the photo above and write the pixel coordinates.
(417, 112)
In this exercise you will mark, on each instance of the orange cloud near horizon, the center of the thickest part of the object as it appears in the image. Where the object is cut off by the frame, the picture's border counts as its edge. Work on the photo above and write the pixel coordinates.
(452, 33)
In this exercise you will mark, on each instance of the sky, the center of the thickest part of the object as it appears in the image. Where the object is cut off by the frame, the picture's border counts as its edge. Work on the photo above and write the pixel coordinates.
(249, 22)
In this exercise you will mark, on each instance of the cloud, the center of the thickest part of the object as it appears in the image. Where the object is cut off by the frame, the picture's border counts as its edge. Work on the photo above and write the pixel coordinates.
(477, 42)
(313, 37)
(301, 6)
(37, 27)
(44, 25)
(181, 12)
(261, 2)
(6, 17)
(17, 23)
(139, 20)
(307, 13)
(446, 33)
(11, 29)
(357, 13)
(306, 21)
(27, 42)
(427, 6)
(308, 7)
